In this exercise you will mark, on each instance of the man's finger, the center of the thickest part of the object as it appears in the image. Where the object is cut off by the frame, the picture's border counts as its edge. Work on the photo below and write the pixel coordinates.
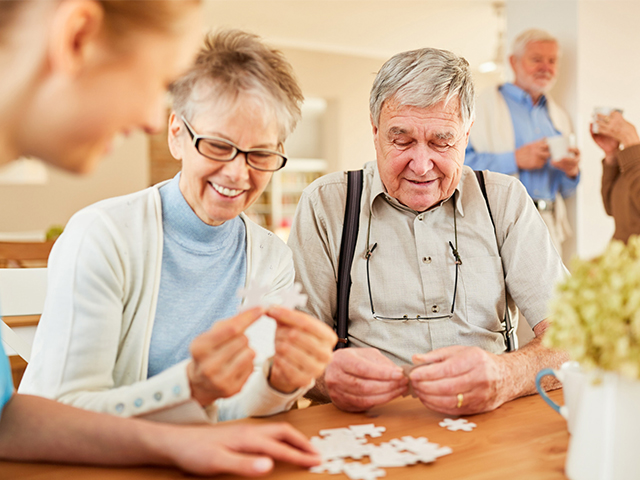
(368, 370)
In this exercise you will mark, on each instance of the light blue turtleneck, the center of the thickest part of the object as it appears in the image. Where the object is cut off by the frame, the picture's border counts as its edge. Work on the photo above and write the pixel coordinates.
(202, 269)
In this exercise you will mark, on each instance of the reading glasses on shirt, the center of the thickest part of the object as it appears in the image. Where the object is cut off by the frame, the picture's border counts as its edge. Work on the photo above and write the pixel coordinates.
(435, 309)
(222, 150)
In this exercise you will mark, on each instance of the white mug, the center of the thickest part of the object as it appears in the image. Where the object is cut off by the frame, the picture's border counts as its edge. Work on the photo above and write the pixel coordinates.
(558, 147)
(602, 111)
(573, 379)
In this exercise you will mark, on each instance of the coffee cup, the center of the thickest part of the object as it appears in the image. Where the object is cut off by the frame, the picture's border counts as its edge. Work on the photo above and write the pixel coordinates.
(601, 111)
(572, 378)
(558, 147)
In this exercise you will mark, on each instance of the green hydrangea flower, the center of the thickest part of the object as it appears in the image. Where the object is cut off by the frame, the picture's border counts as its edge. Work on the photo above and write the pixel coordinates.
(596, 311)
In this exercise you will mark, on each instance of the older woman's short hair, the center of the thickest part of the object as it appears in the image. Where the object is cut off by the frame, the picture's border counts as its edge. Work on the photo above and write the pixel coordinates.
(528, 36)
(423, 78)
(233, 64)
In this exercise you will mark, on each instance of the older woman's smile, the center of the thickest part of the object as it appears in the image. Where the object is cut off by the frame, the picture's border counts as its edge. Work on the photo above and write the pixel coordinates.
(226, 192)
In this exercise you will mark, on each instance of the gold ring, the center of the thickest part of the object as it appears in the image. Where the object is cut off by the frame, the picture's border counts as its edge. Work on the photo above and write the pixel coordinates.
(460, 399)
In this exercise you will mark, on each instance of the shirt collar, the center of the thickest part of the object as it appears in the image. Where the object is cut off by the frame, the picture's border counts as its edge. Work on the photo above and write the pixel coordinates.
(379, 191)
(517, 94)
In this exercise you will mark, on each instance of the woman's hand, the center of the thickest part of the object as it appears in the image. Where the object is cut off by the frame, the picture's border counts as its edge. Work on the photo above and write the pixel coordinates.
(238, 449)
(304, 346)
(222, 359)
(614, 130)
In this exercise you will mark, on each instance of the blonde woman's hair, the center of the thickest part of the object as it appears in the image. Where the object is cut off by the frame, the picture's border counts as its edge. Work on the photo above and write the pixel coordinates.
(232, 65)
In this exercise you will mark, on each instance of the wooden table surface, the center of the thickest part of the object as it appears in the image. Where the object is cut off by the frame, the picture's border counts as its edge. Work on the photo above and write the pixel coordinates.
(523, 439)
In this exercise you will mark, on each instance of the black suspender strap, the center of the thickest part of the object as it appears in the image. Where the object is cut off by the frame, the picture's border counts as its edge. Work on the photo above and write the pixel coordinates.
(347, 250)
(508, 333)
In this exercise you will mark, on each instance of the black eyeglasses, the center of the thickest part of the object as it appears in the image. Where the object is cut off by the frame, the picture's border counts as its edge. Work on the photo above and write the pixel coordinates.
(435, 309)
(222, 150)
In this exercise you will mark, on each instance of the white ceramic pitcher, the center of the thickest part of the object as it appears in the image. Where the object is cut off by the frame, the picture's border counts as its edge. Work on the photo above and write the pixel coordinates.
(604, 441)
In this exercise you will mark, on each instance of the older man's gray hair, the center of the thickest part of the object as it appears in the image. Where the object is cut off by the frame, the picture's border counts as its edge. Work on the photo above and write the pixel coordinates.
(423, 78)
(528, 36)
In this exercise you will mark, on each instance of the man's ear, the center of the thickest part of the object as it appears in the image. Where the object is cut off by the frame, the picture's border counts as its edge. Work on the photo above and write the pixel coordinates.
(468, 132)
(374, 129)
(175, 143)
(512, 62)
(75, 31)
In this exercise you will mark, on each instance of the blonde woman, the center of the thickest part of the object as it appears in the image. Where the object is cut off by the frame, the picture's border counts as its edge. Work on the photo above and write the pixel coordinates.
(74, 74)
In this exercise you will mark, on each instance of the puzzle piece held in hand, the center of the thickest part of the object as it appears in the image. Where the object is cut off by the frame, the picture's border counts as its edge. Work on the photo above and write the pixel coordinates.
(293, 297)
(254, 295)
(457, 424)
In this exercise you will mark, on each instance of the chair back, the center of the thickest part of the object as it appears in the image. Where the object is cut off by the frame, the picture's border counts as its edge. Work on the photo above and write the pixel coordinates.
(22, 293)
(25, 254)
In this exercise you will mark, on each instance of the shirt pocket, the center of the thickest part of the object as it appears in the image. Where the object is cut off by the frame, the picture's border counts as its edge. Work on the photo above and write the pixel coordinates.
(482, 295)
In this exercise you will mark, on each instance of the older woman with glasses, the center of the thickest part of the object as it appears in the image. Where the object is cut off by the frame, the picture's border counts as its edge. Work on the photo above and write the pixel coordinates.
(141, 316)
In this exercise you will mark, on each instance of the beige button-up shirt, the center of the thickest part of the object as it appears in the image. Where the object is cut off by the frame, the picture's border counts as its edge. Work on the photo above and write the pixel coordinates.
(412, 270)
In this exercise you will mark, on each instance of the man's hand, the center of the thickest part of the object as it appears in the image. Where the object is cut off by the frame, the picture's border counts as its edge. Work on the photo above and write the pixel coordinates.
(303, 346)
(533, 155)
(239, 449)
(476, 374)
(358, 379)
(222, 359)
(569, 165)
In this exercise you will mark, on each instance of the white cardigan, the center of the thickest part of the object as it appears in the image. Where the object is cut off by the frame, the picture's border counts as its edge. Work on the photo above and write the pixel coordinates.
(91, 347)
(492, 129)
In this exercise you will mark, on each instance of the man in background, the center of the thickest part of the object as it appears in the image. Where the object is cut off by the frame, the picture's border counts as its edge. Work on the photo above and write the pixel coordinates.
(512, 124)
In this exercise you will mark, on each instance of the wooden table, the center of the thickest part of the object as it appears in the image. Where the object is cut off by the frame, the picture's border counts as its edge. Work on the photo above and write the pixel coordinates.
(523, 439)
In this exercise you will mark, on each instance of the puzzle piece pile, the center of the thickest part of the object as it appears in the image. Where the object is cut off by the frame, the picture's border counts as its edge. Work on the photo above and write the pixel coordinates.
(255, 295)
(336, 444)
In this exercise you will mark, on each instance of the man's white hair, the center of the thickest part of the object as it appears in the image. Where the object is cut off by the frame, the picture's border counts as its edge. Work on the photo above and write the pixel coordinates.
(422, 78)
(528, 36)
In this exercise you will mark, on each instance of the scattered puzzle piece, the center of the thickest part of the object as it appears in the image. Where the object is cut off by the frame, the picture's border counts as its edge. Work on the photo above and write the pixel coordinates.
(332, 467)
(386, 455)
(457, 424)
(367, 429)
(340, 443)
(362, 471)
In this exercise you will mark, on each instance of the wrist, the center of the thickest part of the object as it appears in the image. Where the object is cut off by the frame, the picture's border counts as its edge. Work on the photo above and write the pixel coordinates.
(277, 380)
(199, 394)
(154, 442)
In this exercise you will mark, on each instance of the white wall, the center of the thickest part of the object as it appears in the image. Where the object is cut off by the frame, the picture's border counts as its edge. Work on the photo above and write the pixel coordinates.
(37, 207)
(608, 72)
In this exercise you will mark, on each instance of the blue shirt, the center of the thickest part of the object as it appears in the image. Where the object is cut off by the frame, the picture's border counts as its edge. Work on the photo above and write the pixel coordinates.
(202, 269)
(530, 123)
(6, 381)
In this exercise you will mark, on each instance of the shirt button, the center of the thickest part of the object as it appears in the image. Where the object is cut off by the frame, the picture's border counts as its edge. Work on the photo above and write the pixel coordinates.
(157, 396)
(138, 402)
(120, 407)
(435, 308)
(426, 259)
(420, 217)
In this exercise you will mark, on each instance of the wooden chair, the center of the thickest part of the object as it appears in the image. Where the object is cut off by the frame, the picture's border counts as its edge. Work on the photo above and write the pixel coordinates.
(25, 254)
(22, 294)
